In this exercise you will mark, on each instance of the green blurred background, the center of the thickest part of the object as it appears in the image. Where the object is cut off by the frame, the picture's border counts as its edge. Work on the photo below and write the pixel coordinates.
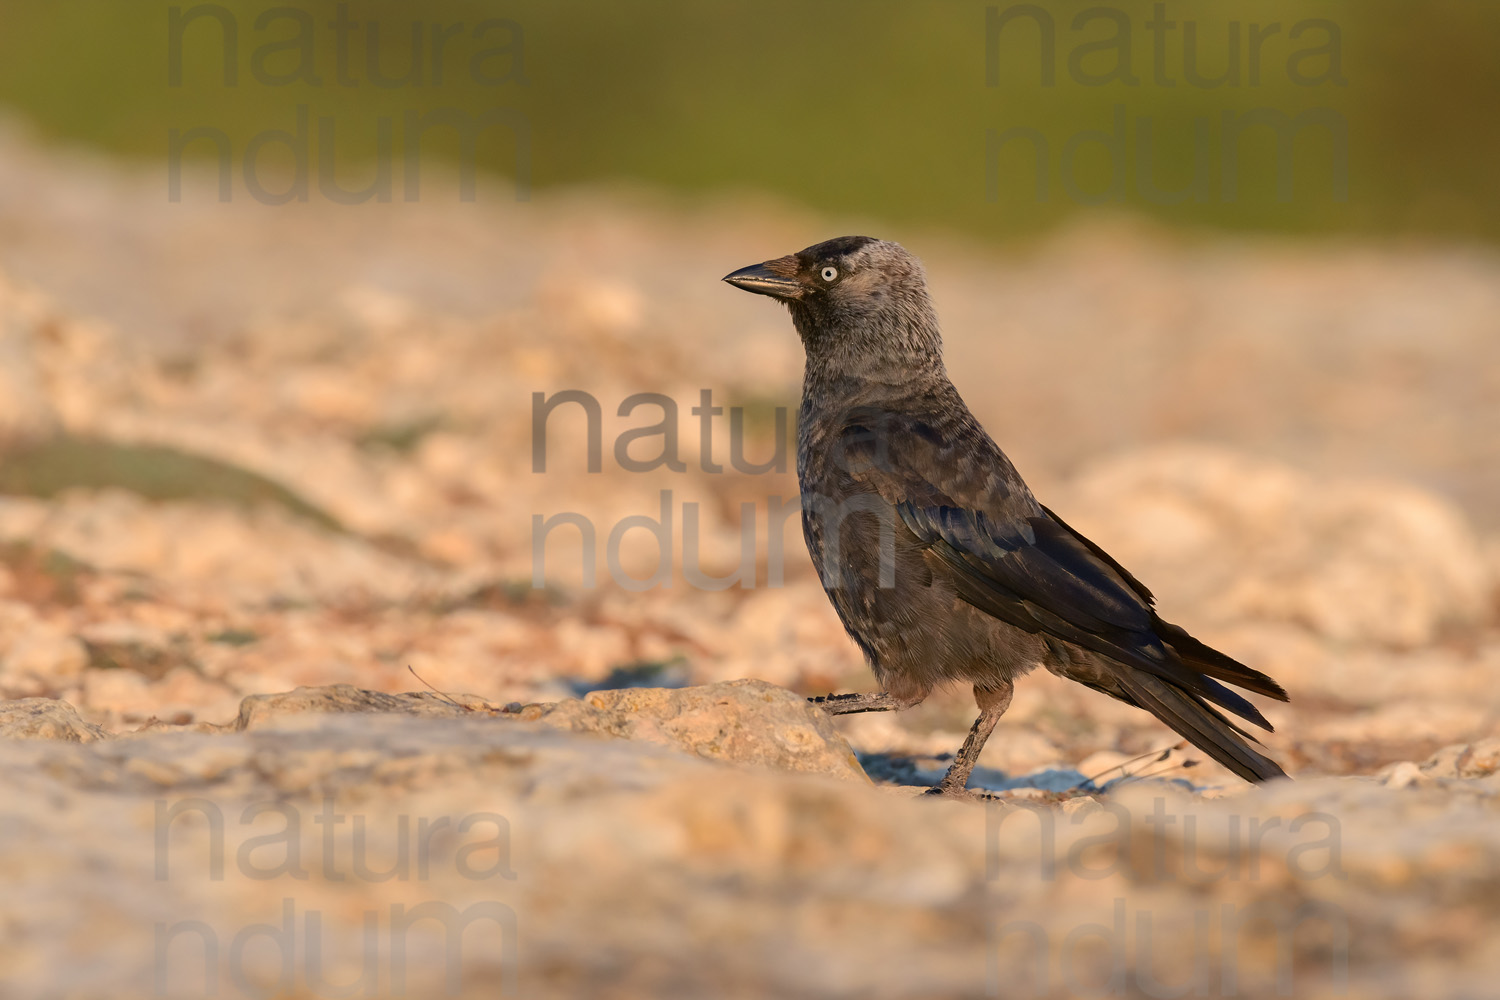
(873, 108)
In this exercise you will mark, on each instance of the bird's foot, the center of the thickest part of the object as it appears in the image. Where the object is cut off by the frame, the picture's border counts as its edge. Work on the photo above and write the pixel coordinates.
(992, 704)
(849, 704)
(957, 794)
(954, 793)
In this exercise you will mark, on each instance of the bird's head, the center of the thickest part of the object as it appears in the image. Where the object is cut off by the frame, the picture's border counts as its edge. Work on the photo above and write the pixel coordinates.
(853, 294)
(848, 271)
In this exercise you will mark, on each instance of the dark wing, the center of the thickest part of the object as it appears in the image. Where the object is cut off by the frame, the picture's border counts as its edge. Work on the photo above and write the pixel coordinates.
(1010, 557)
(1203, 657)
(1106, 558)
(1035, 574)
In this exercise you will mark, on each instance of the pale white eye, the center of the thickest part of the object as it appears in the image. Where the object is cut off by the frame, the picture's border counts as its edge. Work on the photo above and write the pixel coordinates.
(830, 273)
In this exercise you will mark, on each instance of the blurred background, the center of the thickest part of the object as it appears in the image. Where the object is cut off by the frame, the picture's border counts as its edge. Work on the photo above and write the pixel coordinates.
(280, 285)
(872, 109)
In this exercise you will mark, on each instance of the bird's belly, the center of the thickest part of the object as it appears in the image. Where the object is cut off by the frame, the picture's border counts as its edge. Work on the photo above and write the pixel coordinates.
(915, 631)
(958, 643)
(898, 603)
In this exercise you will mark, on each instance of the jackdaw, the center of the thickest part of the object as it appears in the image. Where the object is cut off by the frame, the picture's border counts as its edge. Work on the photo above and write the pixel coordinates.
(936, 556)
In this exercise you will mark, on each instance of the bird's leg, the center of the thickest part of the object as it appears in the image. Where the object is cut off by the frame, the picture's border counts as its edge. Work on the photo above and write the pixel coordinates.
(992, 704)
(849, 704)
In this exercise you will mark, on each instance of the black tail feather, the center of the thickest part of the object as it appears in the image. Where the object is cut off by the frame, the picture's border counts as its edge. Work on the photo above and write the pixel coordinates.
(1205, 728)
(1205, 659)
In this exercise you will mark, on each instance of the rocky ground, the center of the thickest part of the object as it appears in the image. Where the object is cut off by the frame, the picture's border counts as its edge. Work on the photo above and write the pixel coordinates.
(303, 849)
(251, 450)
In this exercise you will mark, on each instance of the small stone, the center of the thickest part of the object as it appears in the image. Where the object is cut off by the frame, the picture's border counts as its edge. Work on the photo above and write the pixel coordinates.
(1404, 775)
(1444, 763)
(1479, 760)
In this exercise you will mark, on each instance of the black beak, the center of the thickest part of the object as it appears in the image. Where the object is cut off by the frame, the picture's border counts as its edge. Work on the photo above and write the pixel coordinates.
(761, 280)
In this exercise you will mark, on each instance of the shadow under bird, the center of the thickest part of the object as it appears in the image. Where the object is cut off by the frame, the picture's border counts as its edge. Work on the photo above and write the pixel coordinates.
(938, 559)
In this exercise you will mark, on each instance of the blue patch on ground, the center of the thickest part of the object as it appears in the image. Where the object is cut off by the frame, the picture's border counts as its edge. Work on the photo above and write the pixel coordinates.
(896, 769)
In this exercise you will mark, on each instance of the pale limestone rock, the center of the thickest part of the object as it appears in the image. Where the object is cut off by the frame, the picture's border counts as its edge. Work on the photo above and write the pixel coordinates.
(1479, 760)
(633, 871)
(1403, 775)
(46, 719)
(748, 722)
(745, 721)
(1459, 761)
(268, 710)
(742, 722)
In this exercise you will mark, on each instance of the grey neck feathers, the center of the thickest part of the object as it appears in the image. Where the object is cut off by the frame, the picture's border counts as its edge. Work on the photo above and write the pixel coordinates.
(894, 340)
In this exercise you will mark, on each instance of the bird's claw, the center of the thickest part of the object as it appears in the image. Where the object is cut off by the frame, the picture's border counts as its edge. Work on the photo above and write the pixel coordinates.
(959, 794)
